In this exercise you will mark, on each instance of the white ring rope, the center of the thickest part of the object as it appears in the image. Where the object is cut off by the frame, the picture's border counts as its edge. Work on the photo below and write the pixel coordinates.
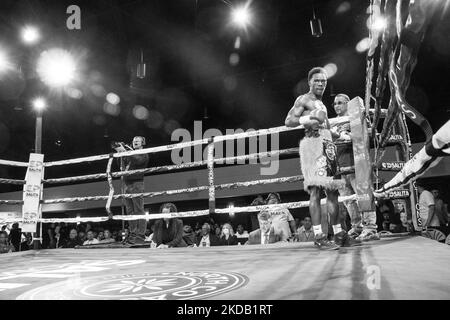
(186, 214)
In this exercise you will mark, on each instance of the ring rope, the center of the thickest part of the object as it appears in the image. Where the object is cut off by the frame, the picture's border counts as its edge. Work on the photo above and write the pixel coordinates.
(171, 167)
(12, 181)
(14, 163)
(186, 214)
(177, 191)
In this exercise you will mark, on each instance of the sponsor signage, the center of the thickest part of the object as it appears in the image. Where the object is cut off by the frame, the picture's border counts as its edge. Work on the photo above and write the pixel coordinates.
(32, 193)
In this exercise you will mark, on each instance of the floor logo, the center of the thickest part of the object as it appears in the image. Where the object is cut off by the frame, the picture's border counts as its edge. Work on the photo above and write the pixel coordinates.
(145, 286)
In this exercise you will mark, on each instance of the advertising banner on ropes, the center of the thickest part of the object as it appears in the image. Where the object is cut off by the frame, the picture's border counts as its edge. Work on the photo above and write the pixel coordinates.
(32, 193)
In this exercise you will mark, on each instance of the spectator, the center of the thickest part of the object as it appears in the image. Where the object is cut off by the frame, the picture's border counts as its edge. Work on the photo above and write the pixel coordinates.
(197, 229)
(115, 235)
(241, 234)
(266, 233)
(60, 240)
(168, 231)
(5, 229)
(427, 207)
(282, 219)
(217, 231)
(82, 236)
(148, 235)
(5, 246)
(385, 213)
(90, 239)
(441, 208)
(107, 237)
(305, 233)
(258, 201)
(27, 243)
(227, 237)
(189, 235)
(298, 223)
(15, 236)
(206, 239)
(101, 236)
(73, 240)
(125, 234)
(49, 241)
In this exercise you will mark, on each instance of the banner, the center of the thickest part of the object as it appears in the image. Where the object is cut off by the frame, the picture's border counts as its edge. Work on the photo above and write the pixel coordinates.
(32, 193)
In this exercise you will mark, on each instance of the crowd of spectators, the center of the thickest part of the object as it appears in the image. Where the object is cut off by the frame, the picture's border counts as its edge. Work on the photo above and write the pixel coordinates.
(272, 225)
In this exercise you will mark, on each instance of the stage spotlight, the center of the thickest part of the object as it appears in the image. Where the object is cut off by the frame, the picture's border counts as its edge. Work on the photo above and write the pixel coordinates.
(113, 98)
(331, 69)
(39, 104)
(379, 23)
(30, 35)
(363, 45)
(56, 67)
(5, 64)
(241, 16)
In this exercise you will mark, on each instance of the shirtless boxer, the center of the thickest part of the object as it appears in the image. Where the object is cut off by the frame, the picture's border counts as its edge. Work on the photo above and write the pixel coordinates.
(318, 158)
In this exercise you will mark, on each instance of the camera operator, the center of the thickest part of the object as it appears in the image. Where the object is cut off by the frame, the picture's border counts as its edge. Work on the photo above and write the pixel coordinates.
(135, 184)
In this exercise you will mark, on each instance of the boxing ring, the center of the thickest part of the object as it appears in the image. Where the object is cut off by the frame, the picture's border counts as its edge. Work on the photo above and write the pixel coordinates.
(391, 268)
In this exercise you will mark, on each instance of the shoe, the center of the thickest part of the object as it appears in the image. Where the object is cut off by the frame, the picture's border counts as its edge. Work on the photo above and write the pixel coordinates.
(323, 243)
(368, 235)
(340, 238)
(354, 233)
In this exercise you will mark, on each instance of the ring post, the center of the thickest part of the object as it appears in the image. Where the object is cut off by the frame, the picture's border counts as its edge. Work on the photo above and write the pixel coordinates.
(360, 143)
(212, 196)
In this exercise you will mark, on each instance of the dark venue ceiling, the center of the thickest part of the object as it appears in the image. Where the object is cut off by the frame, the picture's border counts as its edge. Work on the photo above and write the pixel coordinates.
(186, 45)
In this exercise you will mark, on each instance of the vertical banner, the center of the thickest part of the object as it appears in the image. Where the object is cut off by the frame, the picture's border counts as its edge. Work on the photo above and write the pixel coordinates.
(363, 165)
(32, 193)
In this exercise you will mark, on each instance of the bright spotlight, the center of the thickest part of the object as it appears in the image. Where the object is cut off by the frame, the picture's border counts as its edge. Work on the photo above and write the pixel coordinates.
(331, 69)
(5, 64)
(241, 16)
(56, 67)
(39, 104)
(379, 23)
(30, 35)
(363, 45)
(113, 98)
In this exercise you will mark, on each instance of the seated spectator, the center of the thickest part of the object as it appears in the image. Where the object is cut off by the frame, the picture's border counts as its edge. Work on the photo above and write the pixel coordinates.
(5, 246)
(241, 234)
(90, 239)
(266, 233)
(60, 240)
(147, 234)
(218, 231)
(115, 235)
(298, 223)
(282, 219)
(206, 238)
(188, 235)
(305, 233)
(73, 240)
(27, 243)
(101, 235)
(168, 231)
(385, 213)
(107, 237)
(15, 236)
(82, 236)
(227, 237)
(125, 233)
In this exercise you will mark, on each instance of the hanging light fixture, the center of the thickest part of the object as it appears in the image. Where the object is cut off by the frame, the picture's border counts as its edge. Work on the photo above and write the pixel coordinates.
(316, 25)
(141, 67)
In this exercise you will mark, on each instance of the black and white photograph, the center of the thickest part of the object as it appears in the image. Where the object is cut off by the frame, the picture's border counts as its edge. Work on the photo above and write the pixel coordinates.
(227, 155)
